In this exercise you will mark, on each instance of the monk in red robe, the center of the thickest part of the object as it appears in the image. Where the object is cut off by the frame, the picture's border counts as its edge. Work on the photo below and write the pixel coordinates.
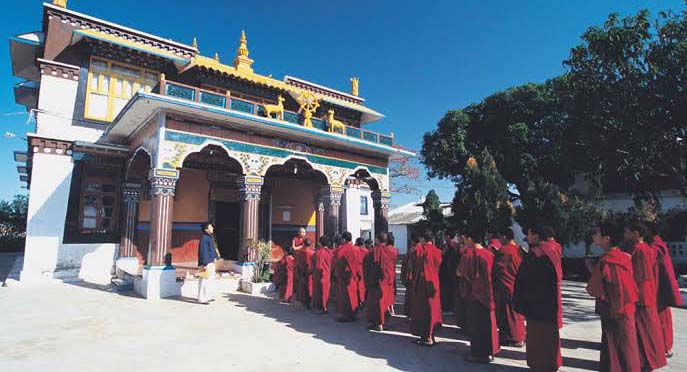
(537, 296)
(349, 273)
(645, 266)
(668, 292)
(612, 284)
(407, 270)
(459, 289)
(379, 269)
(447, 271)
(283, 277)
(303, 271)
(297, 241)
(425, 316)
(362, 250)
(321, 275)
(507, 262)
(476, 271)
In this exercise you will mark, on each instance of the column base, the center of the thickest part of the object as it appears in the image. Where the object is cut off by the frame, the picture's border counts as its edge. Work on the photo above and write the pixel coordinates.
(158, 282)
(127, 265)
(245, 269)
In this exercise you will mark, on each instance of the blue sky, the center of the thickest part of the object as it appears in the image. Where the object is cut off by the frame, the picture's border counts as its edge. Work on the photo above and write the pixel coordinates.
(415, 59)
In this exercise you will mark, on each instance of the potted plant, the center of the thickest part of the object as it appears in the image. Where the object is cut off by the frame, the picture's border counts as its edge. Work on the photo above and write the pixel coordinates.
(259, 252)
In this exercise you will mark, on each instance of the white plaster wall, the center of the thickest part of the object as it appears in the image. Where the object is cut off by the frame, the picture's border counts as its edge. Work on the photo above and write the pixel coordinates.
(622, 202)
(352, 211)
(47, 210)
(401, 235)
(56, 110)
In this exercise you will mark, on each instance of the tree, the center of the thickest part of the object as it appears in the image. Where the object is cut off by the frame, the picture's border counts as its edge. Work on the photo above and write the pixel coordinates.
(433, 221)
(481, 203)
(403, 174)
(13, 215)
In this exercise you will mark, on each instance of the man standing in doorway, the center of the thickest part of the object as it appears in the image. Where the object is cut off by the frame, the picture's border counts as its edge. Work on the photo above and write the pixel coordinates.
(206, 264)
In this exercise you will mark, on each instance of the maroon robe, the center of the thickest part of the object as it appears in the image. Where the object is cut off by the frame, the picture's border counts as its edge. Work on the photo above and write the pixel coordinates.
(407, 271)
(380, 276)
(476, 271)
(426, 302)
(362, 291)
(506, 265)
(543, 337)
(649, 334)
(303, 273)
(321, 277)
(283, 277)
(612, 284)
(668, 291)
(349, 273)
(459, 307)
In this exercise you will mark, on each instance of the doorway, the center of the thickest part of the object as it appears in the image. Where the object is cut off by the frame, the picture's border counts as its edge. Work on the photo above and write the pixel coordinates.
(227, 216)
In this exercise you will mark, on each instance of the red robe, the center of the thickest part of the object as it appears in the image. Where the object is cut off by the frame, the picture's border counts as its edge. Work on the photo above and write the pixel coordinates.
(426, 302)
(321, 276)
(506, 265)
(650, 337)
(380, 277)
(303, 273)
(283, 277)
(668, 291)
(349, 273)
(484, 338)
(458, 290)
(362, 291)
(612, 284)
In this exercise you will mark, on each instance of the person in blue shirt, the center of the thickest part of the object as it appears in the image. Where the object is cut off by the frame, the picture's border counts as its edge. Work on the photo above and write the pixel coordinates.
(207, 254)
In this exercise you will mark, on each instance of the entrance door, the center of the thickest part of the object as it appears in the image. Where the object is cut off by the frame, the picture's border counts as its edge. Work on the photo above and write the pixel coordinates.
(227, 215)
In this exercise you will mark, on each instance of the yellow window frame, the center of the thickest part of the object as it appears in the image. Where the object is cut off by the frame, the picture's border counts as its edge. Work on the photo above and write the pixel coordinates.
(114, 79)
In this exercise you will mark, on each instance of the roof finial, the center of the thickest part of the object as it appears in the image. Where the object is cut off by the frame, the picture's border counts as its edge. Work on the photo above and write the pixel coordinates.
(60, 3)
(242, 62)
(216, 56)
(195, 43)
(354, 86)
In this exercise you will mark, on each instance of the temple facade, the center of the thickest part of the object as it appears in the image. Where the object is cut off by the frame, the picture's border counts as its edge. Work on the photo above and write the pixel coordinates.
(139, 139)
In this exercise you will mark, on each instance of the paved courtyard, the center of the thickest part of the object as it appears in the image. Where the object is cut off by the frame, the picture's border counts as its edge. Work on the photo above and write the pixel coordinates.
(79, 327)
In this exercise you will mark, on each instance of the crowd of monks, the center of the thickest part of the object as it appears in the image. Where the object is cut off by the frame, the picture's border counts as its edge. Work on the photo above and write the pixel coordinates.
(500, 293)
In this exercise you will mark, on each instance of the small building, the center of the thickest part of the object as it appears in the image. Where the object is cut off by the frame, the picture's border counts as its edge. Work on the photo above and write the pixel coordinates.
(139, 140)
(403, 220)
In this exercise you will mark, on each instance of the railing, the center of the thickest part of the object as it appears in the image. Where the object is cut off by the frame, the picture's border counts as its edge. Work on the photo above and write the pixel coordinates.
(191, 93)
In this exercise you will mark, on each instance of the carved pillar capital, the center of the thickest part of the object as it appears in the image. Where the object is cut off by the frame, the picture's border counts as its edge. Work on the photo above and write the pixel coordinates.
(250, 187)
(331, 196)
(131, 192)
(381, 199)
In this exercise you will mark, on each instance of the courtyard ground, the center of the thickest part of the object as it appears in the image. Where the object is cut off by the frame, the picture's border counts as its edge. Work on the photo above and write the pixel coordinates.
(81, 327)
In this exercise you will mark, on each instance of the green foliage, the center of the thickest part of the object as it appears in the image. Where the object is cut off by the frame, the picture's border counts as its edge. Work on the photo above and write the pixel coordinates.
(259, 252)
(13, 223)
(434, 221)
(481, 202)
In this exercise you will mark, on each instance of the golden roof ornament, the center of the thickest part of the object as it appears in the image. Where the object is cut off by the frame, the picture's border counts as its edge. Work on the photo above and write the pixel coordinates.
(354, 86)
(60, 3)
(242, 62)
(195, 43)
(308, 105)
(216, 57)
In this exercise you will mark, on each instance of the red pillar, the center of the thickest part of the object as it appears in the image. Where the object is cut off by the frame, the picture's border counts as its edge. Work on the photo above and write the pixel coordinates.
(161, 204)
(131, 193)
(319, 219)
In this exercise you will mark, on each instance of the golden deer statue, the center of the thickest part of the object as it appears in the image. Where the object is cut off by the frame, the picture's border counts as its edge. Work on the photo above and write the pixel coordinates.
(278, 108)
(335, 126)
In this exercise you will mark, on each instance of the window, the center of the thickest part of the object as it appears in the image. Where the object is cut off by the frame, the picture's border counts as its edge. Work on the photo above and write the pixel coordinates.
(363, 205)
(111, 84)
(97, 212)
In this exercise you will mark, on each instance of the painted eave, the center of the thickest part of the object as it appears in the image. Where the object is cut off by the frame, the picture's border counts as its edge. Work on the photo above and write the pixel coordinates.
(140, 109)
(24, 48)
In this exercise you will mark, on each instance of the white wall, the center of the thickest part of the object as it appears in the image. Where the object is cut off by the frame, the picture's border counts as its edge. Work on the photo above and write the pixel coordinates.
(56, 109)
(401, 235)
(353, 220)
(618, 202)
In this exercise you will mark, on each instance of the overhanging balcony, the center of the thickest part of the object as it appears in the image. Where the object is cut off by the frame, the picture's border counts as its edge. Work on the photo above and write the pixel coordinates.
(241, 114)
(174, 89)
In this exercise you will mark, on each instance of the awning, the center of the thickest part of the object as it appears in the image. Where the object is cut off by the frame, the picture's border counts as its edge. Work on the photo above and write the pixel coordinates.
(26, 94)
(24, 49)
(78, 35)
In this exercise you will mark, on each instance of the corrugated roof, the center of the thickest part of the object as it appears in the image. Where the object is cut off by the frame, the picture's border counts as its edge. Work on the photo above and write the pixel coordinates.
(411, 213)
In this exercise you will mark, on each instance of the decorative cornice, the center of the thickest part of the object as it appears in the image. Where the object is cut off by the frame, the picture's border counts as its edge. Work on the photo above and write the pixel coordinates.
(163, 186)
(58, 69)
(331, 196)
(131, 192)
(50, 146)
(85, 22)
(250, 187)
